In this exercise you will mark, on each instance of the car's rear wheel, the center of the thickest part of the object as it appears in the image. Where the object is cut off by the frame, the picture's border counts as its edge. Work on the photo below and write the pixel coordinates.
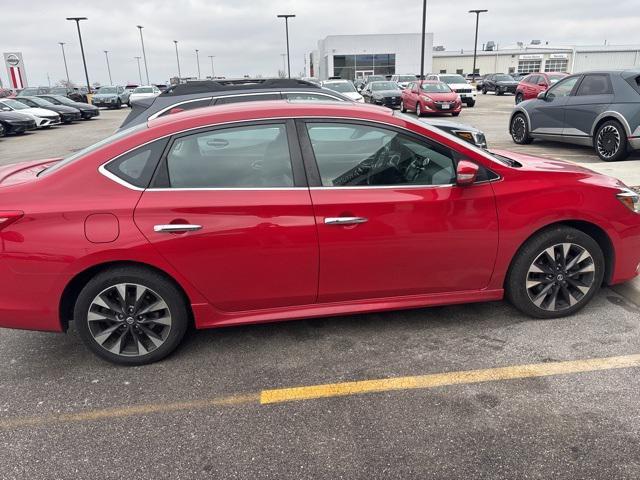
(555, 273)
(484, 90)
(519, 98)
(118, 105)
(418, 109)
(131, 315)
(611, 142)
(519, 129)
(403, 109)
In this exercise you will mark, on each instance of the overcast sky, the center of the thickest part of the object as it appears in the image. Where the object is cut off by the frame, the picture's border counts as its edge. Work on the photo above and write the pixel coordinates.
(246, 37)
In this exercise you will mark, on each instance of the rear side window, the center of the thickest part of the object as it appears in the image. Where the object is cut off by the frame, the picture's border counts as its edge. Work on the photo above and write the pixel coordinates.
(239, 157)
(137, 166)
(205, 102)
(595, 85)
(247, 98)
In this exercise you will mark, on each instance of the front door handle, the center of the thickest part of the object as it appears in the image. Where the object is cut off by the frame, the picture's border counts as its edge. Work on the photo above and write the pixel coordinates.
(344, 220)
(176, 228)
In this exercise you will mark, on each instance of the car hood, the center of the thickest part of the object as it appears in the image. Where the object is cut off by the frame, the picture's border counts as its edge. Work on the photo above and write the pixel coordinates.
(24, 171)
(14, 117)
(532, 163)
(442, 97)
(387, 93)
(39, 112)
(353, 95)
(446, 124)
(458, 85)
(84, 106)
(105, 95)
(63, 109)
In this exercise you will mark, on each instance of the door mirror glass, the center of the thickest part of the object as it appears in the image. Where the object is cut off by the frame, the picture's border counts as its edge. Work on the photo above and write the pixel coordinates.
(542, 95)
(466, 172)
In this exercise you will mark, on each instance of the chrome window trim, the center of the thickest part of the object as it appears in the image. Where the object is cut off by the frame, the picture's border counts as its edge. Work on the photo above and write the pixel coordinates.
(157, 114)
(102, 168)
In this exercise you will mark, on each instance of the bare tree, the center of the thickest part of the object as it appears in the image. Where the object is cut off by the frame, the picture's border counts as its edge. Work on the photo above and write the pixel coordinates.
(66, 83)
(282, 74)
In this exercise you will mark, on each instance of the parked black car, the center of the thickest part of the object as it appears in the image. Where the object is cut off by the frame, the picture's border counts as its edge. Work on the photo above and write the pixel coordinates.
(17, 123)
(74, 94)
(500, 83)
(205, 93)
(87, 111)
(388, 94)
(67, 114)
(597, 109)
(29, 91)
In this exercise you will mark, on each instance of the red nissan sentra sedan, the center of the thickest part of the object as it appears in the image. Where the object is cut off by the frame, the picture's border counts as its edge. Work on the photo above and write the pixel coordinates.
(430, 97)
(257, 212)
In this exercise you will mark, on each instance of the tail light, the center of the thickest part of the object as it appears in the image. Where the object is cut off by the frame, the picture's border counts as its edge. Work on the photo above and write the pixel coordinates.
(8, 217)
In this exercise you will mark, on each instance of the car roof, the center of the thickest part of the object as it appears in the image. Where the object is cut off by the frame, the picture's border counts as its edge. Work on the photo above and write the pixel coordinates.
(230, 85)
(266, 109)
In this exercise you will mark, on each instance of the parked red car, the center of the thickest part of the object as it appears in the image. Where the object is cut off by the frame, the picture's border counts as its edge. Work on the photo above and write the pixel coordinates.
(535, 83)
(430, 96)
(263, 211)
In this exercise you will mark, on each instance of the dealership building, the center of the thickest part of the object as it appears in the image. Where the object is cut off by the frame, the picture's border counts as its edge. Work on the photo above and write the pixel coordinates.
(357, 56)
(538, 58)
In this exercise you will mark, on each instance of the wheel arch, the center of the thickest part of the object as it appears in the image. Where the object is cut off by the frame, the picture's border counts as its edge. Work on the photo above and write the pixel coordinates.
(594, 231)
(521, 110)
(75, 285)
(610, 115)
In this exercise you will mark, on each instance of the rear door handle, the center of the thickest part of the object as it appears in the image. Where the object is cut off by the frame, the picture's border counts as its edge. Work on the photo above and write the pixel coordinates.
(176, 228)
(344, 220)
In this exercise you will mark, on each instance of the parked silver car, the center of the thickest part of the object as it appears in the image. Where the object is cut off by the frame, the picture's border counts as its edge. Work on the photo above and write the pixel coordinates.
(599, 109)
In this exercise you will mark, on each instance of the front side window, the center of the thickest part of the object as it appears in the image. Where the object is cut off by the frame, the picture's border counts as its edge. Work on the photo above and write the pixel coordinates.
(595, 85)
(237, 157)
(563, 88)
(363, 155)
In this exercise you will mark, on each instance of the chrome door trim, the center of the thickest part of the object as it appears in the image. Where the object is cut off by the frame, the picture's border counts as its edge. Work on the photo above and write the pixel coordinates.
(345, 220)
(176, 228)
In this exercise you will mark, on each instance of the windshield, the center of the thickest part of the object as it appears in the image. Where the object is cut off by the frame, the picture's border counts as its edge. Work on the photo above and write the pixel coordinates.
(555, 78)
(436, 87)
(111, 90)
(384, 86)
(29, 91)
(406, 78)
(81, 153)
(61, 100)
(15, 104)
(341, 87)
(504, 78)
(452, 79)
(143, 90)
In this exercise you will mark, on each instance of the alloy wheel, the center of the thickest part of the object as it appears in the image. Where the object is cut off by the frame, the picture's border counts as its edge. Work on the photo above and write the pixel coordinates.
(608, 141)
(418, 110)
(560, 277)
(128, 319)
(518, 128)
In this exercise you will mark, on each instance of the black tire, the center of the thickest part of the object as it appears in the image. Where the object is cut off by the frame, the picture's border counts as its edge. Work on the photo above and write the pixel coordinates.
(455, 114)
(484, 90)
(519, 276)
(519, 129)
(149, 279)
(519, 98)
(471, 103)
(402, 107)
(418, 110)
(499, 92)
(118, 105)
(610, 142)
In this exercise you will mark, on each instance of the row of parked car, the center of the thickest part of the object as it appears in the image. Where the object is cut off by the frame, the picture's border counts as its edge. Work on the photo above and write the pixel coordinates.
(23, 113)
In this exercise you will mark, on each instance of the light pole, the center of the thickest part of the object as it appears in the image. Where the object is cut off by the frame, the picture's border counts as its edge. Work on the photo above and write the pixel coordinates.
(178, 60)
(284, 65)
(286, 28)
(424, 33)
(213, 73)
(198, 62)
(84, 62)
(64, 58)
(475, 43)
(106, 55)
(139, 71)
(144, 54)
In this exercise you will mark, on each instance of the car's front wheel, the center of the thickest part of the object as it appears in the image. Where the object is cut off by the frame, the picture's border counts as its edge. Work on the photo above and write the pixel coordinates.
(519, 97)
(519, 129)
(611, 142)
(418, 110)
(131, 315)
(555, 273)
(403, 109)
(484, 90)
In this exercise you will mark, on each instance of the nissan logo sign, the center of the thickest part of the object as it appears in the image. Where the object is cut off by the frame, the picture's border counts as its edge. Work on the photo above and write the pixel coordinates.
(13, 60)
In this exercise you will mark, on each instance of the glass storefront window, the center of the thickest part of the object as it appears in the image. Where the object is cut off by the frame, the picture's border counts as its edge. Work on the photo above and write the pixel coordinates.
(346, 66)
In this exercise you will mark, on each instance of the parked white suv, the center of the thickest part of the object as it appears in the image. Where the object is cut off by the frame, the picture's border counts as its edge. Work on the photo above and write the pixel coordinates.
(458, 84)
(345, 87)
(403, 80)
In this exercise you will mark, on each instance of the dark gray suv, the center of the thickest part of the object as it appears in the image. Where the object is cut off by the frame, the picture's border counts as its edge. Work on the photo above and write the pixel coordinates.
(599, 109)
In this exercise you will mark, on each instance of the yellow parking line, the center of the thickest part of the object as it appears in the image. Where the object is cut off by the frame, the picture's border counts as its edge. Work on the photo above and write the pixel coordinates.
(443, 379)
(337, 390)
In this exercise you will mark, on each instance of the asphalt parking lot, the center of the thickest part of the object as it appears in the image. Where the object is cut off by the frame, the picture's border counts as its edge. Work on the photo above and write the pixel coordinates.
(473, 391)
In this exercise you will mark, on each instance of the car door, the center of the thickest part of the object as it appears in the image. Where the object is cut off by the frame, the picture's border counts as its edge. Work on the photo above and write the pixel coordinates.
(390, 220)
(414, 95)
(547, 115)
(592, 97)
(230, 210)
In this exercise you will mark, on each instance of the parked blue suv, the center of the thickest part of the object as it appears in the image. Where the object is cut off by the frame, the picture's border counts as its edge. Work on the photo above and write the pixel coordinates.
(599, 109)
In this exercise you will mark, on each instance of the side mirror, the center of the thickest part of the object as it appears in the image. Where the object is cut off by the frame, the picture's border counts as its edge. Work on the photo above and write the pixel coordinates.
(466, 173)
(542, 96)
(542, 84)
